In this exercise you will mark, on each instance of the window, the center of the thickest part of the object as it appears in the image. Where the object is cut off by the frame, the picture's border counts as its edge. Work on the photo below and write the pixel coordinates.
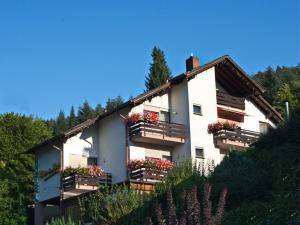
(164, 116)
(167, 157)
(263, 127)
(91, 161)
(197, 109)
(199, 153)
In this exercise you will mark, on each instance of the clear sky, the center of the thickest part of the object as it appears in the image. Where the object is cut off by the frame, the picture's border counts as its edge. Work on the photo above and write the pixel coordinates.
(54, 54)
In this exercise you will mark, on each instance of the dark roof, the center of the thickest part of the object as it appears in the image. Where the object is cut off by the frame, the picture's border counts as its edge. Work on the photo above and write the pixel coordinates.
(259, 100)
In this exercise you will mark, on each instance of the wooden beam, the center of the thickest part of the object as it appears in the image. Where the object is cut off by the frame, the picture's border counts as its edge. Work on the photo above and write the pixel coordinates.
(233, 85)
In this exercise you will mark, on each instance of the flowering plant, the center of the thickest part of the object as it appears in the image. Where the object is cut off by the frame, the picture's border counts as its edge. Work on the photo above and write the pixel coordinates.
(155, 164)
(94, 171)
(151, 117)
(134, 118)
(147, 116)
(215, 127)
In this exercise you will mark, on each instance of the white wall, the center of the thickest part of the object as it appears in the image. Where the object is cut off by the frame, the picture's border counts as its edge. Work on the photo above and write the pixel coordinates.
(202, 91)
(253, 116)
(46, 158)
(179, 102)
(112, 152)
(157, 103)
(141, 151)
(81, 146)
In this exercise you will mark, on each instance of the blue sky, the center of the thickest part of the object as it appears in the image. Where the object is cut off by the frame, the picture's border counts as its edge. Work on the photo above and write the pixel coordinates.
(54, 54)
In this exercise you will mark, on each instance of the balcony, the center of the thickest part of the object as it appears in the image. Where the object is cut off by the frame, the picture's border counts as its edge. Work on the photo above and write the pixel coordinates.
(148, 175)
(237, 139)
(75, 184)
(231, 101)
(161, 133)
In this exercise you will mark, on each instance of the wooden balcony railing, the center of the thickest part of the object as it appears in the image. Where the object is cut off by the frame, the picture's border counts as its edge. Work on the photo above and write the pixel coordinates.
(229, 100)
(238, 137)
(75, 181)
(148, 175)
(160, 133)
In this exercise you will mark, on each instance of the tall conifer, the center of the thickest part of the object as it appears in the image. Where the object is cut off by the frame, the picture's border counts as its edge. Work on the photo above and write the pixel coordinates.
(159, 71)
(72, 118)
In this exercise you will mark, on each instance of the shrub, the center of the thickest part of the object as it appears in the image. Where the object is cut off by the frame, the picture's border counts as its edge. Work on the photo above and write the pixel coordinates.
(243, 177)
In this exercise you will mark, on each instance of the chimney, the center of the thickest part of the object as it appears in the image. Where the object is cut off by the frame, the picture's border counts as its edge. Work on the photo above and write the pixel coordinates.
(191, 63)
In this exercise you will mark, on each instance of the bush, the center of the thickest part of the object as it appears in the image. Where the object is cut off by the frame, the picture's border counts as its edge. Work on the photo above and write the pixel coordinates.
(243, 177)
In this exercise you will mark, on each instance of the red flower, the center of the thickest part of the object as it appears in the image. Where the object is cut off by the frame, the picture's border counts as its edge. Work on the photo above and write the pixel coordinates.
(154, 164)
(94, 170)
(151, 117)
(134, 118)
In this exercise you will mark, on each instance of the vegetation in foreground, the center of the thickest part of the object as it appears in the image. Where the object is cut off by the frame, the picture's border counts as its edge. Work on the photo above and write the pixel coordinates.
(262, 188)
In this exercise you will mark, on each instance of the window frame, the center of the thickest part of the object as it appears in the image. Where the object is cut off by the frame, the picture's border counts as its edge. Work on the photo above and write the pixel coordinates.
(200, 107)
(199, 157)
(167, 112)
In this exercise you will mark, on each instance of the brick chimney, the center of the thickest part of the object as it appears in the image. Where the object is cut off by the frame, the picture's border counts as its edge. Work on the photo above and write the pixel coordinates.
(192, 62)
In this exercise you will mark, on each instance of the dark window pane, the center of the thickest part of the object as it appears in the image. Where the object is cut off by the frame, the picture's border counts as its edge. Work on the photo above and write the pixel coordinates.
(199, 153)
(91, 161)
(197, 109)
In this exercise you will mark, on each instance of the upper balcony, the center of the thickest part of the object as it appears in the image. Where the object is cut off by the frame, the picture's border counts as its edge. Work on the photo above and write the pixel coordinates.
(235, 139)
(231, 101)
(160, 133)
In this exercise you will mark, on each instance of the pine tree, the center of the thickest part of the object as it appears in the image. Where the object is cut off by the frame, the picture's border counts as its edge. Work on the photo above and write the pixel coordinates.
(113, 103)
(85, 112)
(159, 71)
(98, 110)
(72, 121)
(61, 123)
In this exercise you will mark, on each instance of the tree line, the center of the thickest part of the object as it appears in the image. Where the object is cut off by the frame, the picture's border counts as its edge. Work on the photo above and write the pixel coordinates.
(281, 84)
(84, 112)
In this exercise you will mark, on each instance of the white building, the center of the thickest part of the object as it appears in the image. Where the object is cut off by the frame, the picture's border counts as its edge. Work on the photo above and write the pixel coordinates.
(186, 105)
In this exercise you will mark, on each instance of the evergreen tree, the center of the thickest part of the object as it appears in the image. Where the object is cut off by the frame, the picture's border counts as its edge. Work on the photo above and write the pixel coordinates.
(98, 110)
(159, 71)
(61, 123)
(113, 103)
(284, 94)
(85, 112)
(72, 121)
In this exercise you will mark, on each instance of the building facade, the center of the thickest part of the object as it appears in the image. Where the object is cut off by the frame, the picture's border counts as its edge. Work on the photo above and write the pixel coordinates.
(192, 109)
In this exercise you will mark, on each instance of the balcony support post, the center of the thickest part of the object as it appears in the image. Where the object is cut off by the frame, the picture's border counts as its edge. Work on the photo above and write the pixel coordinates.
(39, 213)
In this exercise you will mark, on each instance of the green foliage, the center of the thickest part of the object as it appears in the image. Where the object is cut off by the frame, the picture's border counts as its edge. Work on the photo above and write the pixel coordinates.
(17, 134)
(85, 112)
(62, 221)
(110, 207)
(281, 84)
(61, 123)
(159, 71)
(72, 120)
(264, 182)
(285, 94)
(113, 103)
(245, 179)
